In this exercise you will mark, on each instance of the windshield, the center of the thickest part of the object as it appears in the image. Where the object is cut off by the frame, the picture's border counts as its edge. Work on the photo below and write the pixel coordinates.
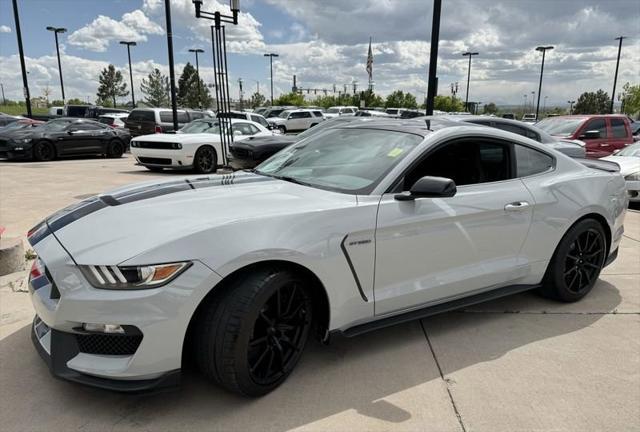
(559, 126)
(201, 126)
(333, 110)
(56, 125)
(15, 126)
(632, 150)
(284, 114)
(352, 161)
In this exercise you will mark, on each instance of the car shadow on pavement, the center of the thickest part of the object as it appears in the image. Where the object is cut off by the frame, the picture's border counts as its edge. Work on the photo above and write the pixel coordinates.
(349, 374)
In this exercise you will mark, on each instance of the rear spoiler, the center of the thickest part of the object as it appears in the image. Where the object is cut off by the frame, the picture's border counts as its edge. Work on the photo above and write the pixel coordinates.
(600, 164)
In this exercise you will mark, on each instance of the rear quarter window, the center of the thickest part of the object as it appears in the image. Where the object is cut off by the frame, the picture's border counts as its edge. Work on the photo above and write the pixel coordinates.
(530, 161)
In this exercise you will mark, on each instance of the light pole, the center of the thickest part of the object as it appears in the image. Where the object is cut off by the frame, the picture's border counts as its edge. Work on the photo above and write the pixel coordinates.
(198, 51)
(172, 75)
(271, 56)
(469, 54)
(571, 102)
(25, 81)
(240, 91)
(615, 78)
(4, 100)
(544, 51)
(129, 45)
(55, 31)
(433, 57)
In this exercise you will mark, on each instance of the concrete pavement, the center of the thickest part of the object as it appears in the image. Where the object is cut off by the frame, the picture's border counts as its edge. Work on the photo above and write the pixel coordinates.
(520, 363)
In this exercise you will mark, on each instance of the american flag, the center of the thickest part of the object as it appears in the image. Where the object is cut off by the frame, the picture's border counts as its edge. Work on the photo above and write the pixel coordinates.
(370, 62)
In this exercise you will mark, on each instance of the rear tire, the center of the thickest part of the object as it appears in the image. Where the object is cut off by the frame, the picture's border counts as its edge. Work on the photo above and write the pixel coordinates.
(44, 151)
(576, 263)
(115, 149)
(251, 336)
(205, 161)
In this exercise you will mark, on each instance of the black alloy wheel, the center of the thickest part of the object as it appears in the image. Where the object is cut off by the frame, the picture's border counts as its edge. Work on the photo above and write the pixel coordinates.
(115, 149)
(279, 334)
(576, 263)
(250, 335)
(205, 160)
(43, 151)
(584, 260)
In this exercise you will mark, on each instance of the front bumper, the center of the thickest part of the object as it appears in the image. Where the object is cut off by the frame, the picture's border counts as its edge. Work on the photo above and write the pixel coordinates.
(58, 348)
(13, 154)
(64, 300)
(163, 158)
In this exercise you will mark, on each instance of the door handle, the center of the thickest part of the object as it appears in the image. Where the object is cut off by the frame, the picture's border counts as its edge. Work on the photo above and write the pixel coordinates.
(517, 205)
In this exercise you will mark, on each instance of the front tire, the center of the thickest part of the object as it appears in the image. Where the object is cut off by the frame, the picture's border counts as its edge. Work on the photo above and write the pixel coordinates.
(283, 129)
(252, 335)
(205, 161)
(576, 263)
(43, 151)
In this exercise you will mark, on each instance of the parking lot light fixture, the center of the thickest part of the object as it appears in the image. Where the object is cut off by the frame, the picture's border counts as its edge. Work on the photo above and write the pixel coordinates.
(544, 50)
(469, 54)
(271, 56)
(198, 51)
(129, 45)
(55, 31)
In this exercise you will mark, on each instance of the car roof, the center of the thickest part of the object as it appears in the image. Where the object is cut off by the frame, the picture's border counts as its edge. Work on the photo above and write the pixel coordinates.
(422, 127)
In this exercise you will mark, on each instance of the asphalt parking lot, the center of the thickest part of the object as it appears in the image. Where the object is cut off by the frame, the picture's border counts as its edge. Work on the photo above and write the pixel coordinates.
(521, 363)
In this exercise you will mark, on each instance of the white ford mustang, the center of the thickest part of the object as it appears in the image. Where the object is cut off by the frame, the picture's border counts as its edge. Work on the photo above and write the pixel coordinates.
(195, 146)
(355, 228)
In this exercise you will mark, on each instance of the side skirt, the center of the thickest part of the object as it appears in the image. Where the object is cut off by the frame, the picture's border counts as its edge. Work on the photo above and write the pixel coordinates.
(435, 309)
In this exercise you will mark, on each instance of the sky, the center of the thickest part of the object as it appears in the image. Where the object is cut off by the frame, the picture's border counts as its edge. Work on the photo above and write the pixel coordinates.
(325, 43)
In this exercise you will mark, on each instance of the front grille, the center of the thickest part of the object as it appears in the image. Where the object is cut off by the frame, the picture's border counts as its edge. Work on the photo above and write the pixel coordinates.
(155, 145)
(107, 344)
(155, 161)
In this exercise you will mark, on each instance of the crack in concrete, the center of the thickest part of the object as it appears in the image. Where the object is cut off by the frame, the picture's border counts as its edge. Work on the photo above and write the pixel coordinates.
(446, 380)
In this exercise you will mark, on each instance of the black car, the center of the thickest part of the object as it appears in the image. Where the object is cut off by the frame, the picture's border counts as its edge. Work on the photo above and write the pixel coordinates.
(6, 119)
(64, 137)
(250, 152)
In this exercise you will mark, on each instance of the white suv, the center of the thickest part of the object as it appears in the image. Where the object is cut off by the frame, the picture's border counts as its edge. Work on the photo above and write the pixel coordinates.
(297, 119)
(336, 111)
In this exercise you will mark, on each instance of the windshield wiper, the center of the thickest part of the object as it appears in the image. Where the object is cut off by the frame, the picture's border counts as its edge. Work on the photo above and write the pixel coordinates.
(282, 177)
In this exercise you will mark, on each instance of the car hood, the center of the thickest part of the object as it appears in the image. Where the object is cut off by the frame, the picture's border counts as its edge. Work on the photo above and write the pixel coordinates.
(20, 133)
(628, 164)
(330, 115)
(119, 225)
(181, 137)
(276, 120)
(257, 142)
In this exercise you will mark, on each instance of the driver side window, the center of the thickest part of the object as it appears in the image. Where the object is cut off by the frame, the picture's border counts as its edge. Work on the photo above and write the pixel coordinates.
(465, 162)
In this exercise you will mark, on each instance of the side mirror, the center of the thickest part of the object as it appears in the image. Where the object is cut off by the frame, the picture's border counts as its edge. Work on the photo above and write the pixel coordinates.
(429, 187)
(591, 134)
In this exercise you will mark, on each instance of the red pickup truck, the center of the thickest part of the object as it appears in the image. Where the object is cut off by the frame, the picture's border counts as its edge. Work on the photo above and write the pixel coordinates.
(602, 134)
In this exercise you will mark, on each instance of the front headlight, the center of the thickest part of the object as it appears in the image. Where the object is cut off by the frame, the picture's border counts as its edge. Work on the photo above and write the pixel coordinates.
(633, 176)
(22, 141)
(133, 277)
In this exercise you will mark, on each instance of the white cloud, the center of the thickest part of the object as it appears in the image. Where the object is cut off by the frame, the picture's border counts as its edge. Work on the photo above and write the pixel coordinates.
(5, 29)
(243, 38)
(96, 36)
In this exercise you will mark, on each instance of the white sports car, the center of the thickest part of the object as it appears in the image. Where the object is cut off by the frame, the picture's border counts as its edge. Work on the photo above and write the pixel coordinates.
(629, 161)
(196, 146)
(358, 227)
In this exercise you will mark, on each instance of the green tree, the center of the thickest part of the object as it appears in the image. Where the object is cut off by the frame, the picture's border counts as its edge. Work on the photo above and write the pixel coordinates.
(111, 86)
(257, 100)
(76, 101)
(325, 101)
(155, 89)
(592, 103)
(295, 99)
(490, 108)
(631, 99)
(188, 95)
(57, 102)
(400, 99)
(447, 104)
